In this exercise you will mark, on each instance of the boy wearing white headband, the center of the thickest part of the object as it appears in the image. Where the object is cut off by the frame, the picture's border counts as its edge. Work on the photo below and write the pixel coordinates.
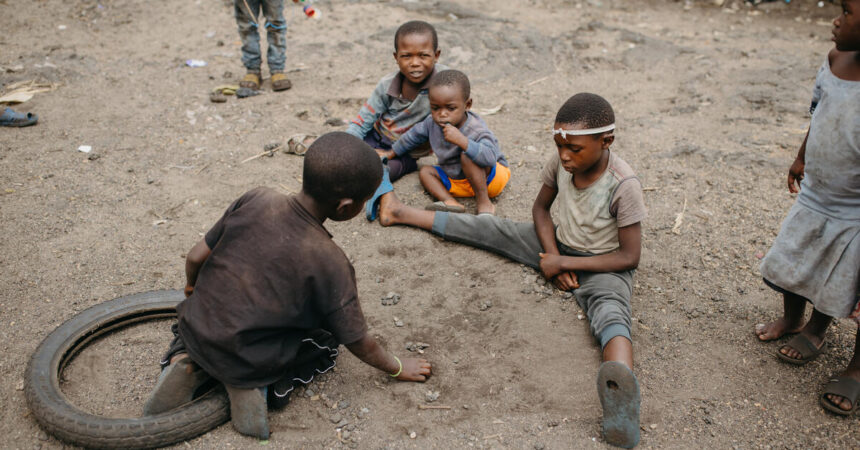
(593, 251)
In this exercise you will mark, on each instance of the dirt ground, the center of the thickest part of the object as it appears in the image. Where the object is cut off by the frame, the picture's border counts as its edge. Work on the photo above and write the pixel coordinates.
(711, 104)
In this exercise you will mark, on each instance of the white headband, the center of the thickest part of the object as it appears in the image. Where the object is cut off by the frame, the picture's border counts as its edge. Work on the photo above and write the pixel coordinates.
(565, 133)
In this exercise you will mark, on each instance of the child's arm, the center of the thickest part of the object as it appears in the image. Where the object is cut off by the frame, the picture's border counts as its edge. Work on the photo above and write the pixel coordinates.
(483, 150)
(370, 111)
(795, 172)
(411, 139)
(195, 258)
(408, 369)
(625, 258)
(545, 231)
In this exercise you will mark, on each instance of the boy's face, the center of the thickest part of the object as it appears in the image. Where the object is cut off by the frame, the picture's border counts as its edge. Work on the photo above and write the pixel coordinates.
(846, 27)
(447, 105)
(415, 56)
(579, 154)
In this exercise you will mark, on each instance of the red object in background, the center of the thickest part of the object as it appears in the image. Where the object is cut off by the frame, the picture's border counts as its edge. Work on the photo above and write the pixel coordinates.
(310, 11)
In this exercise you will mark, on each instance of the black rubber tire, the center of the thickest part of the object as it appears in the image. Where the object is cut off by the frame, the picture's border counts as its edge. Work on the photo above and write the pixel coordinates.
(68, 423)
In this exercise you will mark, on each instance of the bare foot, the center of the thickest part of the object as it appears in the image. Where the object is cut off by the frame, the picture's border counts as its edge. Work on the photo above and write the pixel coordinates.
(388, 207)
(776, 329)
(454, 203)
(486, 207)
(840, 401)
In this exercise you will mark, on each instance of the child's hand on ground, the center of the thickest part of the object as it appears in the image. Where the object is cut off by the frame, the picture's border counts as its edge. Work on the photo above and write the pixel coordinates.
(566, 281)
(455, 136)
(188, 290)
(795, 175)
(385, 153)
(415, 369)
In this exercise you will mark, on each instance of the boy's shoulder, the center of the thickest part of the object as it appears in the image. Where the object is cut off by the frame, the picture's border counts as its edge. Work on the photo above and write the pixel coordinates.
(619, 168)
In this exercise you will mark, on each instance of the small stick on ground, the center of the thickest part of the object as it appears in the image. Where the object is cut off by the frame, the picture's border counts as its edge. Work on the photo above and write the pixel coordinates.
(433, 407)
(265, 153)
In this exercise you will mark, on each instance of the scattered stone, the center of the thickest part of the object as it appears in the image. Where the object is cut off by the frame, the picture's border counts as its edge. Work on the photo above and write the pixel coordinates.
(309, 393)
(417, 346)
(539, 446)
(485, 305)
(342, 423)
(653, 426)
(244, 92)
(42, 436)
(227, 75)
(552, 424)
(567, 294)
(397, 322)
(345, 434)
(272, 146)
(335, 122)
(20, 385)
(93, 156)
(413, 435)
(343, 404)
(391, 298)
(335, 418)
(431, 396)
(380, 279)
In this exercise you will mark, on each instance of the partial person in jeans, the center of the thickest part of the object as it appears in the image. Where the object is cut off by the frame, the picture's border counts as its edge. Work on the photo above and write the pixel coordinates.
(593, 251)
(247, 18)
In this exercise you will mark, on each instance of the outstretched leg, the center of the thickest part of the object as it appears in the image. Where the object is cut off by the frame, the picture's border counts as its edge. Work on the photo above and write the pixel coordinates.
(393, 212)
(477, 177)
(791, 321)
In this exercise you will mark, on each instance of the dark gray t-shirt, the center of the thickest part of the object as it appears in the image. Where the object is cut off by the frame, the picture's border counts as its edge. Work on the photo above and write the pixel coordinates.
(273, 275)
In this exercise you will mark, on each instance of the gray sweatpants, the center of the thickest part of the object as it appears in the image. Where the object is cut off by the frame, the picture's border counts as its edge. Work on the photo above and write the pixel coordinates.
(604, 296)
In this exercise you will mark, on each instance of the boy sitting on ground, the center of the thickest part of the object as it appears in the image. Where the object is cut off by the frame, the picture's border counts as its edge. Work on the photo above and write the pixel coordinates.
(400, 98)
(271, 296)
(593, 252)
(470, 161)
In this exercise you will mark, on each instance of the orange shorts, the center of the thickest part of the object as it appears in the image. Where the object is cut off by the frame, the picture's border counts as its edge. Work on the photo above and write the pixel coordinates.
(496, 182)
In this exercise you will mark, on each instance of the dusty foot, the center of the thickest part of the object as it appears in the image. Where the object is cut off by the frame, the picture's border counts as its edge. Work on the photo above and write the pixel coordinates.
(389, 206)
(839, 401)
(776, 329)
(792, 353)
(486, 207)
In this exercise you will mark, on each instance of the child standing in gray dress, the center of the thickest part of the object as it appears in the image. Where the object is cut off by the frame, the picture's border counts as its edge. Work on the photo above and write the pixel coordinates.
(816, 256)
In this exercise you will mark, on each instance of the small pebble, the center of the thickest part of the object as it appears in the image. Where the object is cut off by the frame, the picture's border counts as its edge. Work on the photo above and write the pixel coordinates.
(42, 436)
(335, 418)
(431, 396)
(413, 435)
(343, 404)
(539, 446)
(653, 426)
(345, 435)
(342, 423)
(398, 323)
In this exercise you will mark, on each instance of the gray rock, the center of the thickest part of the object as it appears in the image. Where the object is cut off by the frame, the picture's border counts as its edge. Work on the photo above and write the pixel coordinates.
(335, 418)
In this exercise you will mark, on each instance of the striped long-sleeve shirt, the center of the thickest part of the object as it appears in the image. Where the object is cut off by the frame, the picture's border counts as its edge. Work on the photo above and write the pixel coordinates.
(388, 112)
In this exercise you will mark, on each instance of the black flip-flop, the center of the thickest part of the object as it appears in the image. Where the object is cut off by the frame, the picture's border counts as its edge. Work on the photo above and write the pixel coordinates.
(842, 386)
(619, 397)
(808, 351)
(12, 118)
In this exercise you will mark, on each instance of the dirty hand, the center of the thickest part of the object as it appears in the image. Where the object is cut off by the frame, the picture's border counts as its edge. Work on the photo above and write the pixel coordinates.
(455, 136)
(795, 175)
(188, 290)
(385, 153)
(566, 281)
(415, 369)
(550, 265)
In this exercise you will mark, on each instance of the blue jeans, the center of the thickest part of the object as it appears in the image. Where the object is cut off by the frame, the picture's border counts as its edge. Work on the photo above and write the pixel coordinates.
(276, 29)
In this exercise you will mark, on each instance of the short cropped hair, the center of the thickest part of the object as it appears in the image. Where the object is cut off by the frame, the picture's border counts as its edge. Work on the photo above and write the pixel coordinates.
(590, 110)
(339, 165)
(416, 27)
(452, 78)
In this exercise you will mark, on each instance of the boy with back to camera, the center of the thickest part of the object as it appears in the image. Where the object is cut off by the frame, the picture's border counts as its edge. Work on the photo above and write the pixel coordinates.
(593, 251)
(470, 161)
(271, 296)
(399, 100)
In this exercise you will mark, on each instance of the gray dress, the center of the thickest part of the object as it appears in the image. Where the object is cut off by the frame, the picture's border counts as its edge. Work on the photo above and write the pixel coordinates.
(817, 252)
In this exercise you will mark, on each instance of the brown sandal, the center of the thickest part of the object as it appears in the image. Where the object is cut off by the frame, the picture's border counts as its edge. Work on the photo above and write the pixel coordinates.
(280, 82)
(251, 80)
